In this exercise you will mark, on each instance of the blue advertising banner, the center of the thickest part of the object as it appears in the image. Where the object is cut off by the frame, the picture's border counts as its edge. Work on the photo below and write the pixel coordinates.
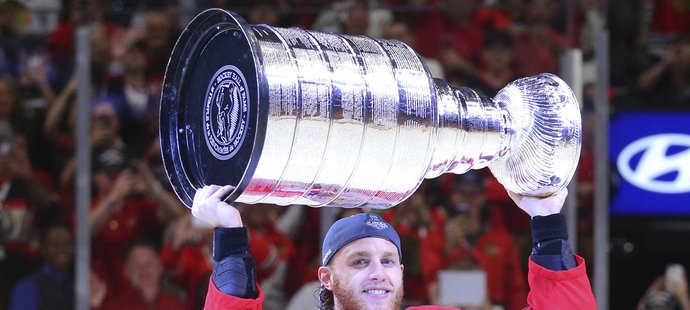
(651, 153)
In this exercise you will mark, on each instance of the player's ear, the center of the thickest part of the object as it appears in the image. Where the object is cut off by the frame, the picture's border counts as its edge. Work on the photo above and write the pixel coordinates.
(325, 277)
(402, 267)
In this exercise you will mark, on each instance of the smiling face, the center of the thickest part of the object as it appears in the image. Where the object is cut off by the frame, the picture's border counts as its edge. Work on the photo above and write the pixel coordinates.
(365, 274)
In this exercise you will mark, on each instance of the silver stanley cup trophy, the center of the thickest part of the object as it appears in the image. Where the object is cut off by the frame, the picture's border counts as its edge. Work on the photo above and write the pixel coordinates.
(291, 116)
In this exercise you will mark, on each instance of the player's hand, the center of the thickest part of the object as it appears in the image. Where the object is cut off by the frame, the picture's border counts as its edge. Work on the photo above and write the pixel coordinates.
(535, 206)
(209, 207)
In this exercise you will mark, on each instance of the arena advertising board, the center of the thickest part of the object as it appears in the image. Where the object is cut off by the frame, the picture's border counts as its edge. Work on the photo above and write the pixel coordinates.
(650, 157)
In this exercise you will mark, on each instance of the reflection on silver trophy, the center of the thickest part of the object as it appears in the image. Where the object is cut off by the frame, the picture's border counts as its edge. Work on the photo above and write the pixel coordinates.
(351, 121)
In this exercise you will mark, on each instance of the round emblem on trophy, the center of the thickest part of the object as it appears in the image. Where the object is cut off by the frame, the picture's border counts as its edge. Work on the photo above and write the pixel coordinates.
(226, 112)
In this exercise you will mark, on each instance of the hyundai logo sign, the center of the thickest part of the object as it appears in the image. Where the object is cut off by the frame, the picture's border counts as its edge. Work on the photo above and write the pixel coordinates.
(651, 153)
(659, 168)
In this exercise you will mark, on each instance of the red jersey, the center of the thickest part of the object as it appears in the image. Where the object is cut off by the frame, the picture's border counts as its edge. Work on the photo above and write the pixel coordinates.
(215, 299)
(132, 300)
(563, 290)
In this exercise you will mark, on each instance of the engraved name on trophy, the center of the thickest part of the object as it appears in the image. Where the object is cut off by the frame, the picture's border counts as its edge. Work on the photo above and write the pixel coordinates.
(290, 116)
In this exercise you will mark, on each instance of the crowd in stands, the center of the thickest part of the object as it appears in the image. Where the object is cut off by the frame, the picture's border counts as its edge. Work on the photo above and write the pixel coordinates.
(147, 250)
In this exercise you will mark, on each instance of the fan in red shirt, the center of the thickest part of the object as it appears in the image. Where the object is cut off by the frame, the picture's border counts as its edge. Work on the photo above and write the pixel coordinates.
(130, 205)
(477, 237)
(421, 234)
(459, 28)
(143, 270)
(187, 256)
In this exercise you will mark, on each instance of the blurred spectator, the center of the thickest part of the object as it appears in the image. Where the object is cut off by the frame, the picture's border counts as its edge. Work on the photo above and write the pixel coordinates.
(306, 237)
(270, 12)
(52, 286)
(12, 112)
(25, 207)
(669, 18)
(129, 204)
(627, 22)
(105, 135)
(516, 11)
(160, 36)
(476, 236)
(458, 252)
(461, 38)
(34, 78)
(138, 98)
(497, 63)
(538, 47)
(549, 11)
(421, 235)
(660, 24)
(34, 94)
(9, 100)
(144, 273)
(101, 57)
(188, 255)
(669, 291)
(12, 47)
(271, 250)
(458, 27)
(263, 13)
(357, 20)
(355, 17)
(62, 39)
(301, 224)
(42, 17)
(666, 84)
(58, 129)
(402, 31)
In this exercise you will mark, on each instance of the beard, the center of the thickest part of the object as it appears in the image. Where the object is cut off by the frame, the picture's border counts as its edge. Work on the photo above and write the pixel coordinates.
(348, 299)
